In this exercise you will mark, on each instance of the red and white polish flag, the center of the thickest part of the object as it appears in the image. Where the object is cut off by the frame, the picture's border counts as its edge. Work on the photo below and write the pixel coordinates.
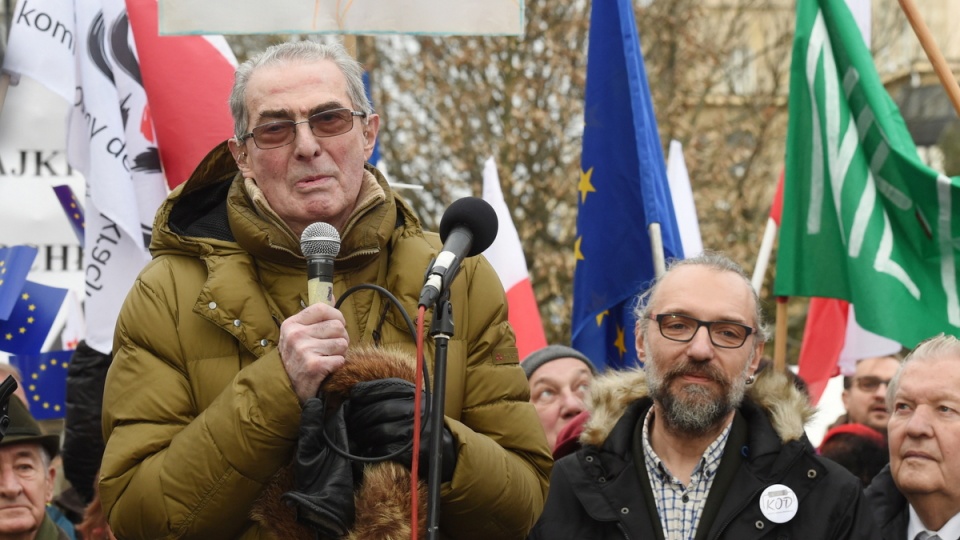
(506, 256)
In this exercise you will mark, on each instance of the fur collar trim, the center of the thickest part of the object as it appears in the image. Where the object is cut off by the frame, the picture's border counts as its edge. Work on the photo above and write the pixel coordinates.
(787, 408)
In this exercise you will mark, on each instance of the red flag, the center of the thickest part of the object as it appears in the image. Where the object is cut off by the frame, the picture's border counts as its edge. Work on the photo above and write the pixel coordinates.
(823, 337)
(189, 118)
(776, 207)
(506, 256)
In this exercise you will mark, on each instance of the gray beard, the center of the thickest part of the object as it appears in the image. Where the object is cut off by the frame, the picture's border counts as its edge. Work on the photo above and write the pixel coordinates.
(694, 410)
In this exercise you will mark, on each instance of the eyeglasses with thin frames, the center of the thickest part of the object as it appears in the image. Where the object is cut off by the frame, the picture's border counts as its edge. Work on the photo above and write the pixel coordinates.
(869, 383)
(322, 124)
(723, 334)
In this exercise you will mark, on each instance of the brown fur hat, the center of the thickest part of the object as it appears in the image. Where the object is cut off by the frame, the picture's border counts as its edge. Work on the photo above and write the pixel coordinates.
(382, 500)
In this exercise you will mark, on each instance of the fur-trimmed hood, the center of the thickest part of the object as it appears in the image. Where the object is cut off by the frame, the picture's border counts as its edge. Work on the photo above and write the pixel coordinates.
(611, 393)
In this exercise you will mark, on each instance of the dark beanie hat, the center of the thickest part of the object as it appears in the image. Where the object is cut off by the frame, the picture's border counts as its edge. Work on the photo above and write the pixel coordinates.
(24, 429)
(553, 352)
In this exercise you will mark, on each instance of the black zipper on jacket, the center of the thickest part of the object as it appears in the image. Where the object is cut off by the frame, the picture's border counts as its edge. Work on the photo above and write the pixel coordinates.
(623, 530)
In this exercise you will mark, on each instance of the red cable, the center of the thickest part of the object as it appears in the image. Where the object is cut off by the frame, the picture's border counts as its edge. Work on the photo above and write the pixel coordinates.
(415, 465)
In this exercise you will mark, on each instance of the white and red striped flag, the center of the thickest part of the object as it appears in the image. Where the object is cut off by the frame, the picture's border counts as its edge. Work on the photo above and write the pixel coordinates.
(506, 256)
(86, 52)
(681, 194)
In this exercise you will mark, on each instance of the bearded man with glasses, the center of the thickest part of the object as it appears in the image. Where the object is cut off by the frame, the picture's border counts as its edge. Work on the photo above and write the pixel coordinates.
(217, 353)
(694, 445)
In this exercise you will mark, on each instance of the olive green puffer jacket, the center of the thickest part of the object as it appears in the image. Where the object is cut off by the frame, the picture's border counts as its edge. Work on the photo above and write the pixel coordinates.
(199, 413)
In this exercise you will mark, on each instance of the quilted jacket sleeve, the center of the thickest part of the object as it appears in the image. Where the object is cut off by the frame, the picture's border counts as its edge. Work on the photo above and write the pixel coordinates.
(503, 465)
(187, 456)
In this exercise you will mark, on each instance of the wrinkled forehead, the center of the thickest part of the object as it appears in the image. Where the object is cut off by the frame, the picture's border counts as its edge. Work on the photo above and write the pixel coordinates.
(296, 84)
(10, 452)
(932, 378)
(706, 291)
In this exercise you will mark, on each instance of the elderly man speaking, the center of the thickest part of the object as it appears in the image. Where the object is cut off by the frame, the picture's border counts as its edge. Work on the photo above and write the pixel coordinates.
(217, 353)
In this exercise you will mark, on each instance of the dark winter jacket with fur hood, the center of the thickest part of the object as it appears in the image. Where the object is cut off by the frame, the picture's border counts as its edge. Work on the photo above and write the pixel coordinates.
(598, 493)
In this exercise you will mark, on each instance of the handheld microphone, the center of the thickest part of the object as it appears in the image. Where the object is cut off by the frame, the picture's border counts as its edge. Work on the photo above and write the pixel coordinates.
(467, 228)
(320, 244)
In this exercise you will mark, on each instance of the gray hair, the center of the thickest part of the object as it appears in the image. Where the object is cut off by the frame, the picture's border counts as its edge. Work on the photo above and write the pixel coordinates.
(45, 458)
(938, 347)
(711, 259)
(297, 51)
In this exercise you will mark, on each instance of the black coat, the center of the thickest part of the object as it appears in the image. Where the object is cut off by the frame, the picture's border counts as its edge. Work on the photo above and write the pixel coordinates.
(598, 493)
(83, 431)
(888, 505)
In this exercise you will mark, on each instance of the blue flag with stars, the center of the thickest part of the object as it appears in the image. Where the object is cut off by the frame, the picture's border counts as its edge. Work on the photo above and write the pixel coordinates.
(375, 156)
(15, 263)
(33, 315)
(623, 189)
(45, 382)
(73, 210)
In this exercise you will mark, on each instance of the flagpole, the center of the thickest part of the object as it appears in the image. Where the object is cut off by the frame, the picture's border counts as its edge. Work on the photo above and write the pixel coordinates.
(350, 44)
(763, 257)
(936, 58)
(656, 246)
(4, 85)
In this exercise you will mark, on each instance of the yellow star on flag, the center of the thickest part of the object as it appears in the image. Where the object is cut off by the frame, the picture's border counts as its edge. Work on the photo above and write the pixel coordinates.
(29, 320)
(601, 315)
(585, 186)
(577, 254)
(24, 296)
(619, 342)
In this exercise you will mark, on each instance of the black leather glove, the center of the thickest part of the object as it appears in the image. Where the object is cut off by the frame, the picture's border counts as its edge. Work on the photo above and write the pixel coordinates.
(380, 422)
(324, 480)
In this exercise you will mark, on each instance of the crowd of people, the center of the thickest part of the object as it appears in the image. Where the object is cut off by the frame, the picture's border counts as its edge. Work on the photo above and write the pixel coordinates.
(221, 415)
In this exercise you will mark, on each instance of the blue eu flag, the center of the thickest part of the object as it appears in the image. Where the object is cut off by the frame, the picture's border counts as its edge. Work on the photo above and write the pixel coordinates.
(45, 382)
(15, 263)
(622, 190)
(375, 156)
(31, 319)
(73, 210)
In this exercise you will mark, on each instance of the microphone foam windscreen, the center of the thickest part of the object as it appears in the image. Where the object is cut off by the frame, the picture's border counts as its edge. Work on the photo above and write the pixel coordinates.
(477, 216)
(320, 239)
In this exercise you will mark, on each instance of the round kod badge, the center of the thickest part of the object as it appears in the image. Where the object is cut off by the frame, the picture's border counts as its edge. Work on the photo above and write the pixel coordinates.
(779, 503)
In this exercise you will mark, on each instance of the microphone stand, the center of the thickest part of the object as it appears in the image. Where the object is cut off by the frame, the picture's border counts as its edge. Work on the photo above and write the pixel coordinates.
(441, 329)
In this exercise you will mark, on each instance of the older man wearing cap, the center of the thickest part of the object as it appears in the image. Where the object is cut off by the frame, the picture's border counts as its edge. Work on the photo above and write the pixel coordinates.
(559, 377)
(26, 478)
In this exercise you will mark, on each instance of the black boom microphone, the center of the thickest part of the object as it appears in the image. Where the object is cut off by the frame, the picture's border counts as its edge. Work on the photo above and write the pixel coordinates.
(467, 228)
(320, 244)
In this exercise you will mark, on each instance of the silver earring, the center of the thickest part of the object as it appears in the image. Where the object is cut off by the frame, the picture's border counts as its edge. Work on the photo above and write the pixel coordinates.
(751, 379)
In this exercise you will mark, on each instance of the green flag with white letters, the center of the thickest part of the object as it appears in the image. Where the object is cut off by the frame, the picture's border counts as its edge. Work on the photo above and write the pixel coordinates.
(864, 219)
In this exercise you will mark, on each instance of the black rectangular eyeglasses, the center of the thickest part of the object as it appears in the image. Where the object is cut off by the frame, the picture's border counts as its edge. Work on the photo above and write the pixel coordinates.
(723, 334)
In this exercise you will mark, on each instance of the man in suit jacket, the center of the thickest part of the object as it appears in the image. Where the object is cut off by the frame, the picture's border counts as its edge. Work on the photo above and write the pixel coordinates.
(918, 495)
